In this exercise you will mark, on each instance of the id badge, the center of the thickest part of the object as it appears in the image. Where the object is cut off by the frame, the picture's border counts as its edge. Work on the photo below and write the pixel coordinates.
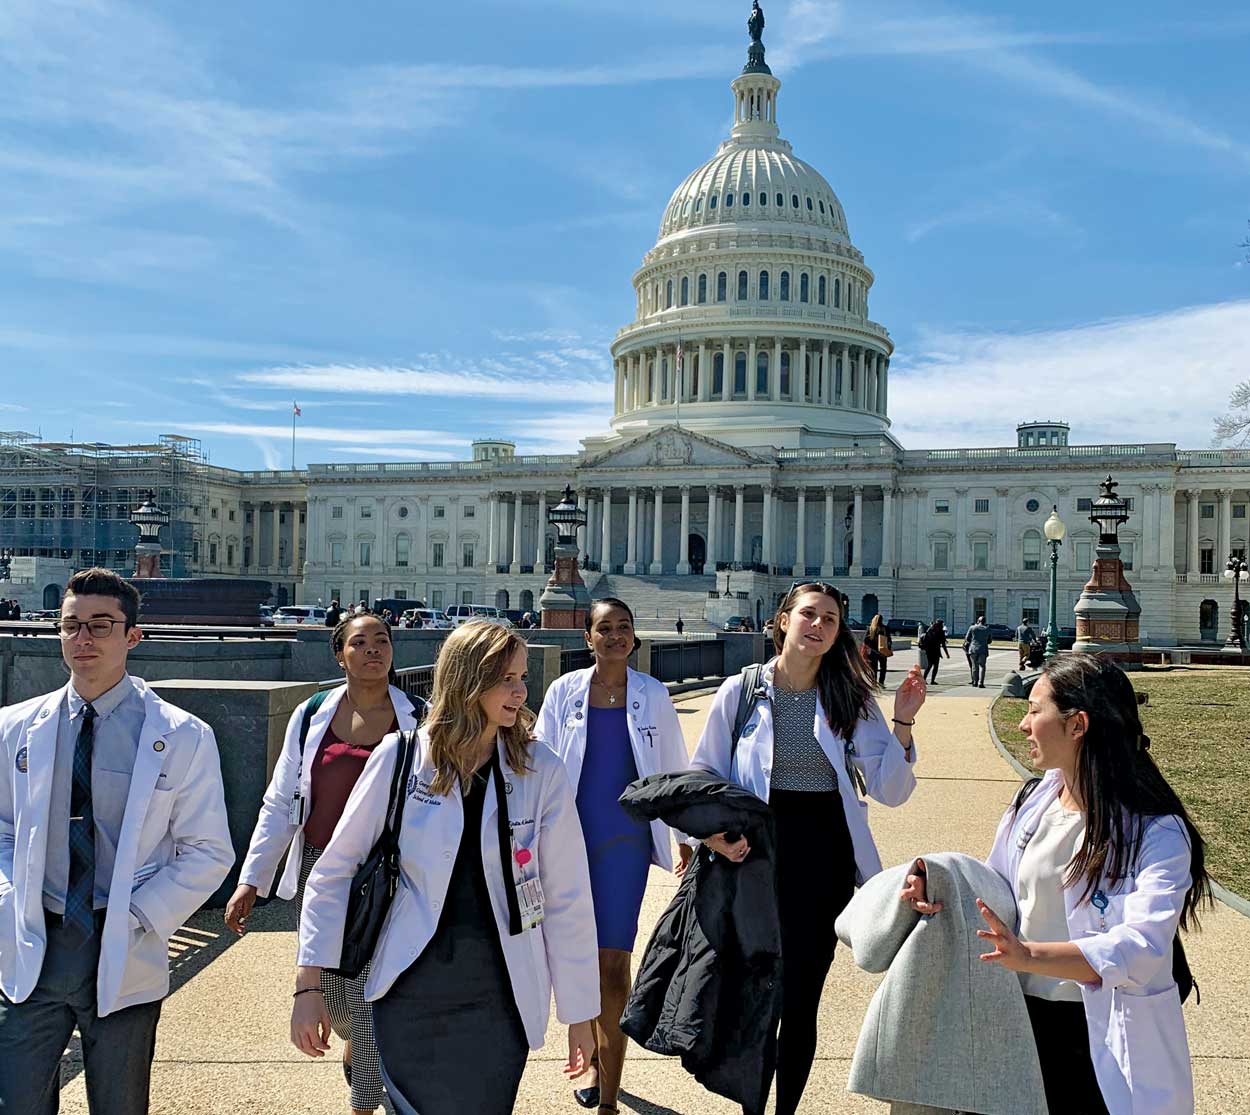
(295, 815)
(529, 894)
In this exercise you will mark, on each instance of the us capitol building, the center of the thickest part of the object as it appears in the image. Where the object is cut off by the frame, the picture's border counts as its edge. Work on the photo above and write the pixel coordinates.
(749, 445)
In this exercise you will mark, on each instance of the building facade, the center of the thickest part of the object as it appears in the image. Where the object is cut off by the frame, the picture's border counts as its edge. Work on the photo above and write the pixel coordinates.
(749, 445)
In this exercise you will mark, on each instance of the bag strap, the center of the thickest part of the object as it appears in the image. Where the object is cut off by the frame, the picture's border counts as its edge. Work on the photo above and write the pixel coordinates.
(399, 784)
(748, 697)
(505, 848)
(314, 703)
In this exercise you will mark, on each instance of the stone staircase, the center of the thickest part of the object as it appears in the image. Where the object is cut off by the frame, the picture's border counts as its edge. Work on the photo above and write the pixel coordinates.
(658, 601)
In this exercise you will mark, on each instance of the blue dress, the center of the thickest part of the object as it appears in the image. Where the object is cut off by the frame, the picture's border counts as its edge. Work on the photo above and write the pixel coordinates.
(618, 848)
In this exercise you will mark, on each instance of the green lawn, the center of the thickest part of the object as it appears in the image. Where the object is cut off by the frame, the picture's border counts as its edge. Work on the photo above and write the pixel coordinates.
(1198, 720)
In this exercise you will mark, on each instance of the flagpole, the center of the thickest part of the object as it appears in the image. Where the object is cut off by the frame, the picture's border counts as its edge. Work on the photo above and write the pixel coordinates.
(294, 415)
(681, 376)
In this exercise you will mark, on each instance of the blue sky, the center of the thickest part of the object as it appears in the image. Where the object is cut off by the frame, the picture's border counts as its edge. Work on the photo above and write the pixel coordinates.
(420, 221)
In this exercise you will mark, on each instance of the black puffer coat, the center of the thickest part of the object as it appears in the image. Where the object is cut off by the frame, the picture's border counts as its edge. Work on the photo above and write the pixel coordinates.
(709, 986)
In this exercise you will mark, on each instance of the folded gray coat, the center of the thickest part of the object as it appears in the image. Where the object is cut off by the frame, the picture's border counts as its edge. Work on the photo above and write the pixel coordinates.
(945, 1030)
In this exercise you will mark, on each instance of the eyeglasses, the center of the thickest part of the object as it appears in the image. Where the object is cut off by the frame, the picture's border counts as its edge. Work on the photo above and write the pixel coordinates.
(96, 628)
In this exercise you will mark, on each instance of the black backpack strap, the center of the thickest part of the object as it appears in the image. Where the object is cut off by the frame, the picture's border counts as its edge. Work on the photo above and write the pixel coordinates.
(1024, 793)
(505, 848)
(748, 697)
(314, 703)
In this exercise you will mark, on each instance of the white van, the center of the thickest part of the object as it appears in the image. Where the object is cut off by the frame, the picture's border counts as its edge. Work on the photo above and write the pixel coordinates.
(428, 617)
(462, 613)
(299, 615)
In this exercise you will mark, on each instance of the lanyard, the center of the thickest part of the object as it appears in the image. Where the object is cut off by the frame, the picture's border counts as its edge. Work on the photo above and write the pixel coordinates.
(505, 849)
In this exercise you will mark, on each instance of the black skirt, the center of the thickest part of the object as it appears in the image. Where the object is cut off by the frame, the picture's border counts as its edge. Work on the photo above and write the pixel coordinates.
(448, 1030)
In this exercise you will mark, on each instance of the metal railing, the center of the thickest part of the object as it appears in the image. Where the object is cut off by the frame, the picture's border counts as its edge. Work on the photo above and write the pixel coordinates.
(416, 681)
(579, 658)
(156, 630)
(689, 659)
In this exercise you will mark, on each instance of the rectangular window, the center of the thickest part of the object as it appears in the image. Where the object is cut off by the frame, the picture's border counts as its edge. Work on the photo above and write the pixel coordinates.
(334, 592)
(470, 512)
(364, 596)
(941, 555)
(336, 512)
(1128, 503)
(1208, 560)
(231, 515)
(440, 512)
(466, 596)
(195, 552)
(436, 598)
(401, 550)
(437, 556)
(1239, 510)
(941, 507)
(366, 511)
(230, 555)
(1126, 555)
(980, 607)
(1084, 504)
(366, 553)
(1084, 558)
(336, 554)
(212, 553)
(401, 594)
(980, 556)
(1031, 610)
(1206, 511)
(467, 556)
(213, 512)
(940, 608)
(981, 507)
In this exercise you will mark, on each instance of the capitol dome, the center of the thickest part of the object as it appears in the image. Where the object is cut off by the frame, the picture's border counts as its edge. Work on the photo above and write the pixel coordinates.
(751, 320)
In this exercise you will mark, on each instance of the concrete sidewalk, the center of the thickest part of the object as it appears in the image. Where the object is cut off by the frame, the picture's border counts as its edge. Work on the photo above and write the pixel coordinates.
(223, 1045)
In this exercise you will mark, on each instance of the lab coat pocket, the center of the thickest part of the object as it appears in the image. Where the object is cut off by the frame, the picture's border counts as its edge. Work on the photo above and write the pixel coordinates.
(1147, 1039)
(147, 964)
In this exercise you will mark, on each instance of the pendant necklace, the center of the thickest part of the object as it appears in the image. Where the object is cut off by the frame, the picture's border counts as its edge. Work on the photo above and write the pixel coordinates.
(609, 692)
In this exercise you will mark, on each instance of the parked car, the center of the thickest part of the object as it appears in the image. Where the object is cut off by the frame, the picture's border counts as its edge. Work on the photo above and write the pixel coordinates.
(1002, 633)
(264, 616)
(462, 613)
(906, 627)
(428, 617)
(737, 623)
(396, 605)
(299, 615)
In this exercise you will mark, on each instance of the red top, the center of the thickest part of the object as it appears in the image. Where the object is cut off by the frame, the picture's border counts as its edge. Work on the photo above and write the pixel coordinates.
(334, 772)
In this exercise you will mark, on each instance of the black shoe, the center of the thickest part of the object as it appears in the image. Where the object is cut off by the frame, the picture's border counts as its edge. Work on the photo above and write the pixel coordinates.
(347, 1072)
(587, 1097)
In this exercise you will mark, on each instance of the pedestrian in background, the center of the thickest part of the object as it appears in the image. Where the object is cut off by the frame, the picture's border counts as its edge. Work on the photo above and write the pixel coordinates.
(977, 648)
(611, 726)
(881, 647)
(680, 626)
(329, 739)
(1024, 641)
(333, 614)
(933, 645)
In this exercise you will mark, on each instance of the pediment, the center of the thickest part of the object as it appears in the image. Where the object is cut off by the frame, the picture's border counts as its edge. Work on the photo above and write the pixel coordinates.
(673, 447)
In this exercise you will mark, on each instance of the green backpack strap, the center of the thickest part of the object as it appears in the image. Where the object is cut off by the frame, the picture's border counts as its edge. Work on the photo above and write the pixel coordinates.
(314, 703)
(748, 697)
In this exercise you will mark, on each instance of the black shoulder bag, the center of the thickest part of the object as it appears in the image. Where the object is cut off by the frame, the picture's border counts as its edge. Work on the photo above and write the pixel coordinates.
(1183, 977)
(376, 880)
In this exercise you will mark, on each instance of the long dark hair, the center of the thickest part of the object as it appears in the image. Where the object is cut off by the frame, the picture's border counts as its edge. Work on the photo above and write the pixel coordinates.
(843, 681)
(1117, 780)
(610, 602)
(338, 638)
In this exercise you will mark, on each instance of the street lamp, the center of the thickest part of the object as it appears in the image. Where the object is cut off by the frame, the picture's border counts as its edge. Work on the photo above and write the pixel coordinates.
(1054, 530)
(1234, 571)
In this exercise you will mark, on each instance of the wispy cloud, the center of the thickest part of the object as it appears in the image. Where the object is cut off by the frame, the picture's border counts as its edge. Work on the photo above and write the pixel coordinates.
(1161, 377)
(1006, 209)
(413, 439)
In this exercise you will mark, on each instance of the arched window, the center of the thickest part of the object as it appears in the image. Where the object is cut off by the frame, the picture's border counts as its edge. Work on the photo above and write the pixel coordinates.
(668, 295)
(761, 374)
(794, 201)
(698, 205)
(650, 381)
(722, 287)
(691, 362)
(711, 202)
(664, 391)
(822, 208)
(685, 290)
(742, 286)
(740, 374)
(1032, 550)
(718, 374)
(837, 293)
(784, 292)
(807, 377)
(821, 290)
(781, 201)
(729, 201)
(805, 285)
(784, 385)
(763, 286)
(702, 289)
(746, 198)
(837, 383)
(763, 197)
(809, 204)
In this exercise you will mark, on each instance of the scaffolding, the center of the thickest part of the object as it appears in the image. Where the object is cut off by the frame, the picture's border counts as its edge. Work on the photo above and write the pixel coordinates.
(73, 500)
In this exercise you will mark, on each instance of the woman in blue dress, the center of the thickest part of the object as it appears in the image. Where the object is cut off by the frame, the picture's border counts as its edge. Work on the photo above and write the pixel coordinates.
(612, 725)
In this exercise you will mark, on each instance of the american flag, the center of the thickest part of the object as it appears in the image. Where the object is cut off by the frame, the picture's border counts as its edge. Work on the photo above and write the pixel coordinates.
(297, 410)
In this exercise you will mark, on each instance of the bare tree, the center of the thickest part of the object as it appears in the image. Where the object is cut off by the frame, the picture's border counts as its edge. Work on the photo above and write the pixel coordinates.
(1234, 427)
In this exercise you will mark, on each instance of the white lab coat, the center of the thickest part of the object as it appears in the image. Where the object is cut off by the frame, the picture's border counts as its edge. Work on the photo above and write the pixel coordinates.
(173, 850)
(560, 954)
(274, 832)
(878, 755)
(1136, 1028)
(654, 735)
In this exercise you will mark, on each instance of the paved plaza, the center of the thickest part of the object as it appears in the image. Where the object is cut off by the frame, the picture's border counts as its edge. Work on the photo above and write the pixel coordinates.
(223, 1044)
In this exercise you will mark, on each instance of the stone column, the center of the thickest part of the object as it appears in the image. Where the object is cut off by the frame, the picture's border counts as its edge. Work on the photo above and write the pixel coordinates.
(880, 383)
(1195, 551)
(631, 533)
(1167, 535)
(804, 395)
(826, 561)
(961, 529)
(774, 372)
(887, 530)
(1002, 534)
(1149, 529)
(540, 549)
(657, 542)
(492, 537)
(800, 544)
(683, 542)
(727, 372)
(605, 539)
(515, 566)
(751, 368)
(592, 527)
(581, 531)
(276, 541)
(1225, 546)
(885, 386)
(256, 562)
(739, 493)
(713, 524)
(705, 374)
(767, 547)
(825, 395)
(857, 551)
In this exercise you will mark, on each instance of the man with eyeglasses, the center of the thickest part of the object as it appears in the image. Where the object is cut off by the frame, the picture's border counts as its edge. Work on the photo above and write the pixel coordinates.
(113, 831)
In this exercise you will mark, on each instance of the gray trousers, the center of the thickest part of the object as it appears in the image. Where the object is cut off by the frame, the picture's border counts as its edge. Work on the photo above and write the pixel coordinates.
(976, 663)
(117, 1050)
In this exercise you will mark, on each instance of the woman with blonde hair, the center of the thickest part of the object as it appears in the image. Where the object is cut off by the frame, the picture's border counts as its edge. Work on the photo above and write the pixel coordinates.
(493, 909)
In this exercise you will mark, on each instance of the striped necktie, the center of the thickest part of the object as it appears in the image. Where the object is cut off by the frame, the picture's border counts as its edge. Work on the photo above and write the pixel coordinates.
(80, 894)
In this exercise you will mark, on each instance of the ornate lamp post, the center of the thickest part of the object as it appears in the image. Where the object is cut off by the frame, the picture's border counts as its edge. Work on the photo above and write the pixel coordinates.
(149, 519)
(565, 601)
(1234, 571)
(1054, 528)
(6, 564)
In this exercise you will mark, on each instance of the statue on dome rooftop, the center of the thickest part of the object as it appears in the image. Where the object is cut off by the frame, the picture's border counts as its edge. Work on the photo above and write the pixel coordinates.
(755, 25)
